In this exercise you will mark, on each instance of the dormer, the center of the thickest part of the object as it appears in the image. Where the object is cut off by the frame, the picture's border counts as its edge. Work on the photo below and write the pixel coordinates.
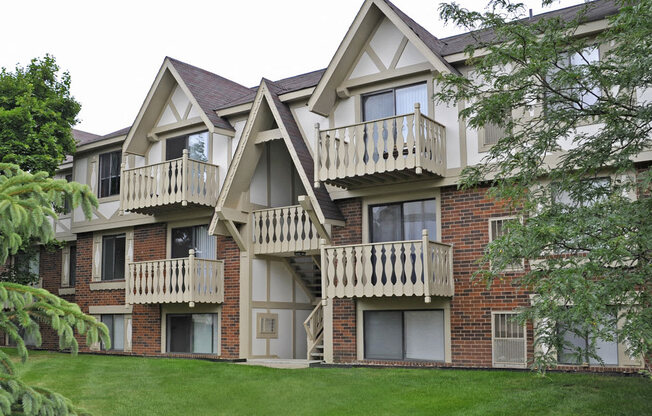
(177, 152)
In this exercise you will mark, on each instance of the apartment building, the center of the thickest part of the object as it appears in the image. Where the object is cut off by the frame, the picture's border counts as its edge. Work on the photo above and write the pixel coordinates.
(312, 217)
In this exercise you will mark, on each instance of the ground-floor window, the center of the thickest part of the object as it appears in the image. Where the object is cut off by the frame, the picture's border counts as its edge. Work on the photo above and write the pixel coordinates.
(508, 340)
(577, 342)
(404, 335)
(196, 333)
(116, 326)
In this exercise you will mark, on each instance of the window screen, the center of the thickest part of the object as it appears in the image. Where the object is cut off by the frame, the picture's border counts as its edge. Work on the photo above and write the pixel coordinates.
(192, 333)
(383, 335)
(508, 341)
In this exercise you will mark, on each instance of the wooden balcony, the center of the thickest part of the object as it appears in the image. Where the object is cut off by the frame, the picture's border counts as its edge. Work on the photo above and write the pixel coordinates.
(183, 280)
(400, 268)
(284, 231)
(167, 185)
(391, 149)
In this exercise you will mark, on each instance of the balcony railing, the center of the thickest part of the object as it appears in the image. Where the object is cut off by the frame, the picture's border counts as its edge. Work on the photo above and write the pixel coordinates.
(388, 149)
(182, 280)
(283, 230)
(401, 268)
(178, 181)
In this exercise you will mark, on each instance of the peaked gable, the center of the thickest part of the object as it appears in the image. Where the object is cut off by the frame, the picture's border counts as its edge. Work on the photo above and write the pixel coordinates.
(381, 24)
(268, 110)
(182, 92)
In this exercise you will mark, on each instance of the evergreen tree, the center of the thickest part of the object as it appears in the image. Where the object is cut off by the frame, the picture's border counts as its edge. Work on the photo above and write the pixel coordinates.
(26, 213)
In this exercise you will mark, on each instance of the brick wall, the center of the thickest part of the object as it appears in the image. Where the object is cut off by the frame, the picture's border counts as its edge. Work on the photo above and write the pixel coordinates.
(50, 272)
(464, 223)
(149, 244)
(344, 326)
(228, 251)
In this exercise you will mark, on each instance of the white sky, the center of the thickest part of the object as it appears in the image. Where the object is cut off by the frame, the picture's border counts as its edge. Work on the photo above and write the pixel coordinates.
(113, 49)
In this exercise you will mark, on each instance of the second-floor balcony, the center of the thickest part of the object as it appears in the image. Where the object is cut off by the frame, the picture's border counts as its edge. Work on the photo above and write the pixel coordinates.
(182, 280)
(178, 182)
(380, 151)
(396, 268)
(284, 231)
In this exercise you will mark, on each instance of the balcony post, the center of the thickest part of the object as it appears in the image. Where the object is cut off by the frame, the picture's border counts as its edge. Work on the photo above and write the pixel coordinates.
(316, 152)
(190, 276)
(322, 249)
(185, 182)
(426, 265)
(418, 138)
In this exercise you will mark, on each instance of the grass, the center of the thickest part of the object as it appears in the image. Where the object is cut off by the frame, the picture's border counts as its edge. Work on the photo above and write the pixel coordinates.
(108, 385)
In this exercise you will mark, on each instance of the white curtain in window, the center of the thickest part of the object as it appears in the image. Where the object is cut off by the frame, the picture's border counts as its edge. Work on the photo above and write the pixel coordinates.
(406, 97)
(424, 335)
(118, 332)
(202, 336)
(205, 244)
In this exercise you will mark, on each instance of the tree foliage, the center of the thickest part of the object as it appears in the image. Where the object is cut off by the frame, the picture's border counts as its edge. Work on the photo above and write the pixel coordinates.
(26, 213)
(588, 241)
(37, 113)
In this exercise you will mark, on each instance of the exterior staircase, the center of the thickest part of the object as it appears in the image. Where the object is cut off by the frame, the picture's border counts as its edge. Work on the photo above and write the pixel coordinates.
(308, 268)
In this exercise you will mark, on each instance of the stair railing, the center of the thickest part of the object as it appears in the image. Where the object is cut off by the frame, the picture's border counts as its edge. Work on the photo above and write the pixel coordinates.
(314, 326)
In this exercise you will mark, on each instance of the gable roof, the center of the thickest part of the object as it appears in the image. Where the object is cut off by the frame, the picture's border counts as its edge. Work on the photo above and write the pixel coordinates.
(371, 13)
(285, 85)
(83, 137)
(209, 89)
(268, 92)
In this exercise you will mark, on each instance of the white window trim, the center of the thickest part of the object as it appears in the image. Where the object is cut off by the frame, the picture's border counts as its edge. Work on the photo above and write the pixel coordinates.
(491, 239)
(96, 270)
(97, 312)
(493, 349)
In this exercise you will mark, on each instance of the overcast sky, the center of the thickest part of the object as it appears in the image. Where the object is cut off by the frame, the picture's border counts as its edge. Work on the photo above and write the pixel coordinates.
(113, 49)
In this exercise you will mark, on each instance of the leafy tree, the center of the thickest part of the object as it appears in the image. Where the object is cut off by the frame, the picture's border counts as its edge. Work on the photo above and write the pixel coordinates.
(588, 240)
(26, 211)
(37, 113)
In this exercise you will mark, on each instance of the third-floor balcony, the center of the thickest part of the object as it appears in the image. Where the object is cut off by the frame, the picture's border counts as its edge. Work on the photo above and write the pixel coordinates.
(380, 151)
(284, 231)
(171, 184)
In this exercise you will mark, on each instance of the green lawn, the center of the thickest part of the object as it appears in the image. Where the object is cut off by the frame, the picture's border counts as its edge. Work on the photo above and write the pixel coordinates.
(147, 386)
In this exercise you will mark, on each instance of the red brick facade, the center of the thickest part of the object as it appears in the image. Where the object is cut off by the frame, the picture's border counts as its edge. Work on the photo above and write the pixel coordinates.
(344, 327)
(228, 251)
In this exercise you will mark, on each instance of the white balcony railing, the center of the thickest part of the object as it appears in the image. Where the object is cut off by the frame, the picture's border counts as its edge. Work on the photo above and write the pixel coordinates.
(283, 230)
(179, 181)
(409, 143)
(182, 280)
(400, 268)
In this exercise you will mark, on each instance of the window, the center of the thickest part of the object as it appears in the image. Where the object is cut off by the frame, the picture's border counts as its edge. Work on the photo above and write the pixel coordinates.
(67, 203)
(404, 335)
(72, 266)
(394, 102)
(110, 173)
(587, 94)
(113, 257)
(577, 341)
(267, 325)
(508, 341)
(197, 145)
(192, 333)
(402, 221)
(497, 229)
(116, 326)
(594, 191)
(197, 238)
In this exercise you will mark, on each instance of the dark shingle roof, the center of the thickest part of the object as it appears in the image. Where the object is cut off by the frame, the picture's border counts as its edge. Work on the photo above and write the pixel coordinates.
(83, 137)
(596, 10)
(285, 85)
(209, 89)
(328, 207)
